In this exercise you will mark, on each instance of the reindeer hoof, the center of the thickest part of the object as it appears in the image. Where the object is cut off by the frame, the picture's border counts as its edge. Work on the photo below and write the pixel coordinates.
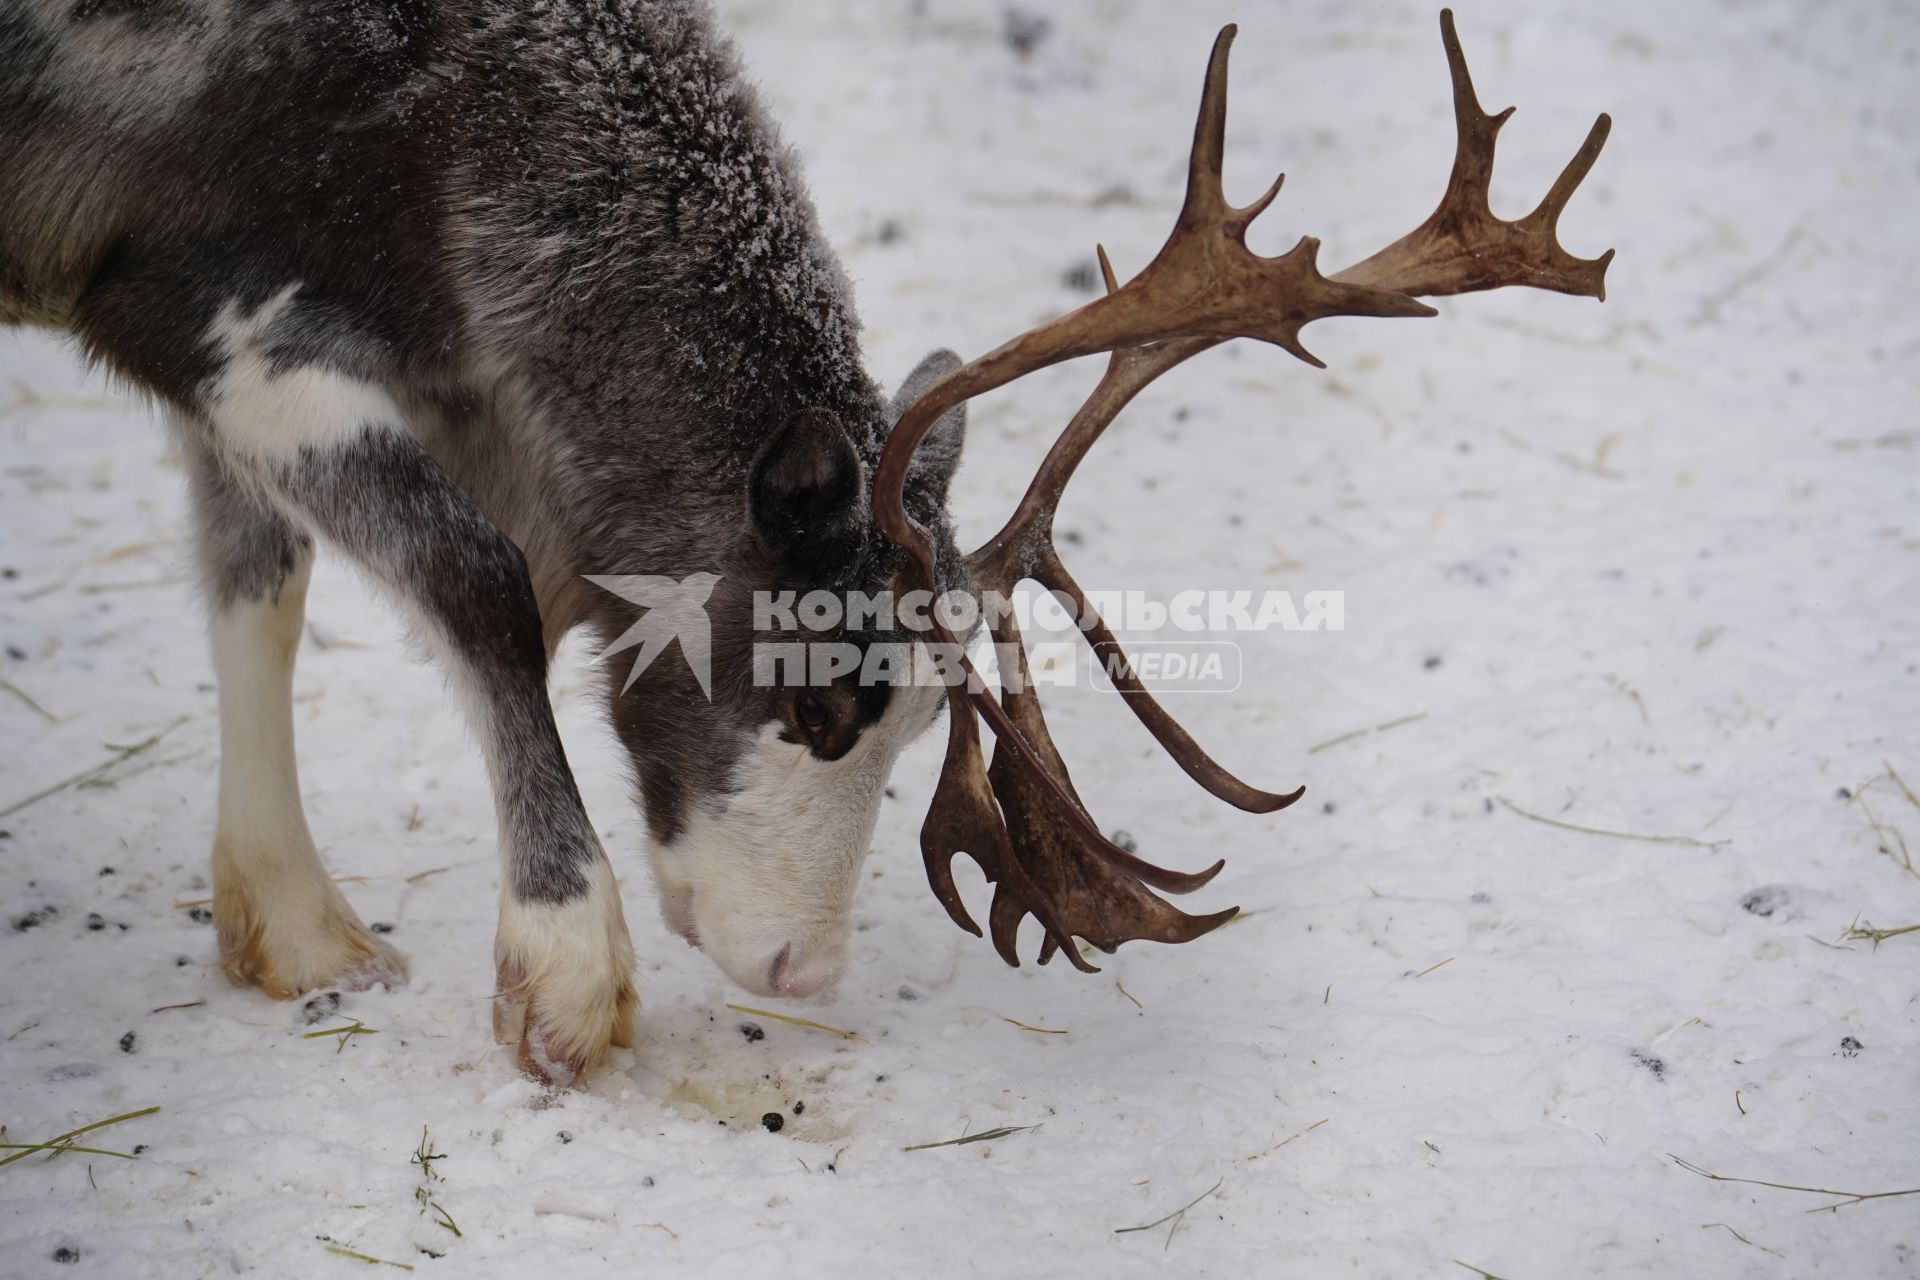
(561, 1038)
(565, 975)
(287, 954)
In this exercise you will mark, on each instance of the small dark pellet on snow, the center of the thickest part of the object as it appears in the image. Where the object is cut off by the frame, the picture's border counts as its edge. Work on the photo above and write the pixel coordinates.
(1024, 32)
(564, 1137)
(140, 1150)
(799, 1108)
(1843, 794)
(381, 926)
(1327, 807)
(647, 1181)
(33, 919)
(15, 652)
(1766, 900)
(200, 915)
(774, 1121)
(1850, 1048)
(752, 1031)
(181, 962)
(1432, 662)
(908, 993)
(66, 1255)
(127, 1042)
(95, 922)
(1125, 840)
(321, 1006)
(106, 871)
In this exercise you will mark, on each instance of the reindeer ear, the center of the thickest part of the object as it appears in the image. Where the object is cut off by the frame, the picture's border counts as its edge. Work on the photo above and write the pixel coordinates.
(806, 499)
(938, 456)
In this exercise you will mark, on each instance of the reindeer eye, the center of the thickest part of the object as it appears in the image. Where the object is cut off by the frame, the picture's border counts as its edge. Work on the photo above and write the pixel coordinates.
(810, 712)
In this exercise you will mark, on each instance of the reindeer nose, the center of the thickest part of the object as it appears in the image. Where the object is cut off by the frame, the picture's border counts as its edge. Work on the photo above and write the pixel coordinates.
(786, 976)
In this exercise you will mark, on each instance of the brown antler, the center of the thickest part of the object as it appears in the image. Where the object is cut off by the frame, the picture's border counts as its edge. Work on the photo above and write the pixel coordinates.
(1021, 819)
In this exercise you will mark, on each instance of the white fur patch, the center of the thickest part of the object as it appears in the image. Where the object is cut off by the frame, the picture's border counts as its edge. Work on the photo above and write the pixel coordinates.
(574, 962)
(774, 863)
(263, 854)
(263, 414)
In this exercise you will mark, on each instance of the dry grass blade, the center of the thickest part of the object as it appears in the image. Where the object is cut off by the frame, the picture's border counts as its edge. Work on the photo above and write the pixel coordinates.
(1901, 784)
(1415, 718)
(1045, 1031)
(1429, 969)
(1847, 1197)
(424, 1155)
(28, 1148)
(32, 702)
(346, 1033)
(1708, 1226)
(58, 1144)
(1176, 1217)
(1482, 1272)
(985, 1135)
(1617, 835)
(1867, 933)
(1289, 1139)
(121, 754)
(1891, 841)
(367, 1258)
(809, 1023)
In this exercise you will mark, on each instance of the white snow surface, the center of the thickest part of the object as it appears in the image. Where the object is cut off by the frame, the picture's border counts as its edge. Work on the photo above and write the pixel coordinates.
(1646, 567)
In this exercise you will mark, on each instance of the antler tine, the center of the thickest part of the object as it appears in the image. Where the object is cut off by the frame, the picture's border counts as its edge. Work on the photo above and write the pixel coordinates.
(1462, 247)
(1020, 817)
(1547, 212)
(1477, 131)
(1206, 194)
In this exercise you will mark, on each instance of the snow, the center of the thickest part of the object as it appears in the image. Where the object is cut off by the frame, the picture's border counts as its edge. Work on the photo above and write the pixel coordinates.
(1662, 550)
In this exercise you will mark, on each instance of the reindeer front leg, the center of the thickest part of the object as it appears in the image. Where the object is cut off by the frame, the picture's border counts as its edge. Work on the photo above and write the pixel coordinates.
(312, 441)
(563, 957)
(282, 922)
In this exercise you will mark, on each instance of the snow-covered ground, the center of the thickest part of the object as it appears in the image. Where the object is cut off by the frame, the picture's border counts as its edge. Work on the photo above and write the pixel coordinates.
(1648, 567)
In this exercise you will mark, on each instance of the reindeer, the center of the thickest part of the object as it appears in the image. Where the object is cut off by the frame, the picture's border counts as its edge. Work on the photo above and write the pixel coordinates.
(497, 300)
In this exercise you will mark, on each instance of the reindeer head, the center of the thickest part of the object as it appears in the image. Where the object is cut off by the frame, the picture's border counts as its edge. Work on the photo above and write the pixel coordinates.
(761, 791)
(757, 842)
